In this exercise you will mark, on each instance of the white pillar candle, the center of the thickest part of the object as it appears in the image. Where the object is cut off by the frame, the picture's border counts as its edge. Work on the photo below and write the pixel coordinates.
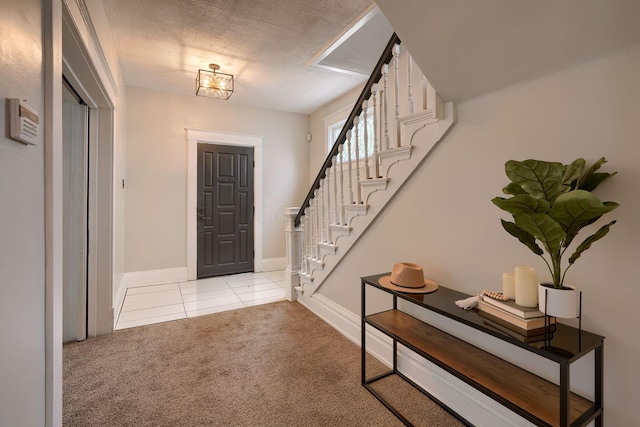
(509, 285)
(526, 285)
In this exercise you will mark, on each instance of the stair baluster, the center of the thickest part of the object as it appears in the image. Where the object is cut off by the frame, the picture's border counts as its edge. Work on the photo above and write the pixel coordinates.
(385, 101)
(308, 224)
(349, 163)
(423, 79)
(343, 220)
(365, 107)
(376, 163)
(318, 229)
(356, 122)
(409, 76)
(305, 243)
(328, 218)
(322, 218)
(335, 188)
(396, 61)
(381, 122)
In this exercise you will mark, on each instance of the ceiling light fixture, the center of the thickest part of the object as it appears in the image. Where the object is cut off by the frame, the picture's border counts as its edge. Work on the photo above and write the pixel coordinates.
(214, 84)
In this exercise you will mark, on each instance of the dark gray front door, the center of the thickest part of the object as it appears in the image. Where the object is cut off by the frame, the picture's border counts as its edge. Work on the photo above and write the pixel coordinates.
(225, 210)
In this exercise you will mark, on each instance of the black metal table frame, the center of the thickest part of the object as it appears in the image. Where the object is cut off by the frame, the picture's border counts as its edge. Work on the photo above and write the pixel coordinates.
(564, 375)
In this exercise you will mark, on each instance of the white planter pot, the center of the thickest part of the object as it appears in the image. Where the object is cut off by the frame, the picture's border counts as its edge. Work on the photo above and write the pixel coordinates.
(563, 303)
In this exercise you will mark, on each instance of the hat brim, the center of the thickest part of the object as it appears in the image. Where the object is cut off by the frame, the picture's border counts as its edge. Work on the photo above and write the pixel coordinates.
(428, 287)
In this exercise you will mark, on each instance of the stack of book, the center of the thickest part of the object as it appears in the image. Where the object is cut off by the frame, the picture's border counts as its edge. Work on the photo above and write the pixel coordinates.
(524, 323)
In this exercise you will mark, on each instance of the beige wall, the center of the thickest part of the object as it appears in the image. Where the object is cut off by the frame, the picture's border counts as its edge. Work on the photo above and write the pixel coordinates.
(22, 280)
(156, 169)
(444, 220)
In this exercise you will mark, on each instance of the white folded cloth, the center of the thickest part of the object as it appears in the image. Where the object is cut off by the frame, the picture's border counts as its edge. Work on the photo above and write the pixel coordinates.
(468, 303)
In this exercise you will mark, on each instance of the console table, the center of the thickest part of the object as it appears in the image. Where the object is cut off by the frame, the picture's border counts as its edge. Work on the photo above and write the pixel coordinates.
(532, 397)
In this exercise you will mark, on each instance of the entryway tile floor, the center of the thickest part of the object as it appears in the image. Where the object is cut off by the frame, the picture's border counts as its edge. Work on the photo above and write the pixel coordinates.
(161, 303)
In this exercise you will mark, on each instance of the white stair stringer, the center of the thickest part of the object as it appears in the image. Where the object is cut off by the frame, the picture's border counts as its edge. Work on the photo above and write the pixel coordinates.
(354, 210)
(327, 248)
(340, 230)
(372, 185)
(392, 156)
(421, 131)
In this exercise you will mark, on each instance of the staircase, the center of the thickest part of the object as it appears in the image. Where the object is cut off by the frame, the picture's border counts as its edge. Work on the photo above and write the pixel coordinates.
(393, 126)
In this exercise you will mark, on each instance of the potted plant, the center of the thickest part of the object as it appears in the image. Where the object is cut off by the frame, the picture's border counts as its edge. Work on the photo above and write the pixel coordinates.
(550, 203)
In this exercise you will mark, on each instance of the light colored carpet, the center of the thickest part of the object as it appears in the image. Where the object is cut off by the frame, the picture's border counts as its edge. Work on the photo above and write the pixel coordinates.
(270, 365)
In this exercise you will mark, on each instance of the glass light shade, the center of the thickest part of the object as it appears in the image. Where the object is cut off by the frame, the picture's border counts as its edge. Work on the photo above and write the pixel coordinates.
(214, 84)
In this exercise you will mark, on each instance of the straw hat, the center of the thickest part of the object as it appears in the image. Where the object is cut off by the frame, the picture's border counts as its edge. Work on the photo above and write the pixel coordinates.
(409, 278)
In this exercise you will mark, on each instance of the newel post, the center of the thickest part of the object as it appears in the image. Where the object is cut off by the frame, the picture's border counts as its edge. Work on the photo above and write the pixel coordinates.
(294, 253)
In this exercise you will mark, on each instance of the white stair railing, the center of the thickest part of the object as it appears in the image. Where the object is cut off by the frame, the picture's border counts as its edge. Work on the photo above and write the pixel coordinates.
(326, 214)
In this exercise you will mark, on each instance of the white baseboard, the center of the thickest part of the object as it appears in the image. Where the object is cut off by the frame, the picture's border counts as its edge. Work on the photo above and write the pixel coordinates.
(172, 275)
(155, 277)
(348, 324)
(273, 264)
(471, 404)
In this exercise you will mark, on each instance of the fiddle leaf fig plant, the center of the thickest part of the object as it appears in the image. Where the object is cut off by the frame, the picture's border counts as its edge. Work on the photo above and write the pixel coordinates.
(550, 203)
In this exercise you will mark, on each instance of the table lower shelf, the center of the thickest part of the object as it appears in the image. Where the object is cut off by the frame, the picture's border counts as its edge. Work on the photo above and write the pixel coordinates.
(523, 392)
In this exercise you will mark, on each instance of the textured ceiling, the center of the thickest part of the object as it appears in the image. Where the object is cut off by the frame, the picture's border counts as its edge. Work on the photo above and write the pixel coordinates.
(265, 44)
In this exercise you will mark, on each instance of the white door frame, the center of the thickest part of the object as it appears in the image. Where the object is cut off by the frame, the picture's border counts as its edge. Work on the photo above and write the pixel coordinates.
(195, 136)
